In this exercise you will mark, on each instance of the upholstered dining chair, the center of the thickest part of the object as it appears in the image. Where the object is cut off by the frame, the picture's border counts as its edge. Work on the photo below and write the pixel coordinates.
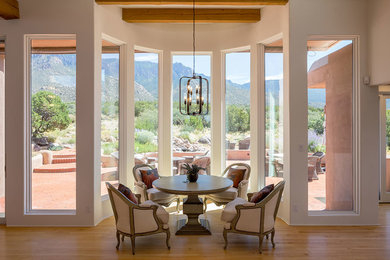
(134, 220)
(256, 219)
(153, 194)
(203, 162)
(230, 194)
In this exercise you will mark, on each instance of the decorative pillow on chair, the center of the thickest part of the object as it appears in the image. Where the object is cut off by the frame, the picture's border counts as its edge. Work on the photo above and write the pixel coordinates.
(148, 176)
(259, 196)
(128, 193)
(236, 175)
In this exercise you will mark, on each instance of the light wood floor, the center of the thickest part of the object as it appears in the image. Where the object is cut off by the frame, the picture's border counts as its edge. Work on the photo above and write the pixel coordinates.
(291, 243)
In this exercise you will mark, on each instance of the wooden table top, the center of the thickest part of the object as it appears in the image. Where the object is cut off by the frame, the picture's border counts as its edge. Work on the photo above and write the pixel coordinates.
(204, 185)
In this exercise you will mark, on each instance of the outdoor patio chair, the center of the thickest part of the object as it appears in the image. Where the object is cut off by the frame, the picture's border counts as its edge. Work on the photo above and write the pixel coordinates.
(134, 220)
(232, 193)
(256, 219)
(153, 194)
(320, 155)
(203, 162)
(312, 165)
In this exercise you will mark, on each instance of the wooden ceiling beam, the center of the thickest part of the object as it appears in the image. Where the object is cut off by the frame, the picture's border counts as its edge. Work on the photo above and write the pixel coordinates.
(9, 9)
(189, 2)
(175, 15)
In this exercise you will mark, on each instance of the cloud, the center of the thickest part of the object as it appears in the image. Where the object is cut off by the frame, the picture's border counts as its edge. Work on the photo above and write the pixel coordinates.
(274, 77)
(151, 58)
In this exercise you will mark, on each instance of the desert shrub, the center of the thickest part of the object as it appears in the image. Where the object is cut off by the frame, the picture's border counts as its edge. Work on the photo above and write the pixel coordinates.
(191, 123)
(110, 108)
(48, 113)
(312, 147)
(141, 106)
(316, 120)
(144, 137)
(148, 120)
(109, 148)
(145, 148)
(238, 118)
(185, 135)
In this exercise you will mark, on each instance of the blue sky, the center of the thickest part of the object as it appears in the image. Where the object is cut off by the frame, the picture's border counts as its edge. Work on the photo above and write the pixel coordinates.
(313, 56)
(238, 64)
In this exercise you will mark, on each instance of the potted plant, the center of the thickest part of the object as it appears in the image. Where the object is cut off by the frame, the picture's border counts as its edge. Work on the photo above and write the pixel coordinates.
(192, 171)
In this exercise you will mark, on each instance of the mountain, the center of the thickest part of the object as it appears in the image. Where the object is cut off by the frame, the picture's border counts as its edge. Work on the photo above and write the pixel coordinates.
(56, 73)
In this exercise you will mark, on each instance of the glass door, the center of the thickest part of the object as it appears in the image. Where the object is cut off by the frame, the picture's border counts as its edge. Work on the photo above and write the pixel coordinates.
(385, 148)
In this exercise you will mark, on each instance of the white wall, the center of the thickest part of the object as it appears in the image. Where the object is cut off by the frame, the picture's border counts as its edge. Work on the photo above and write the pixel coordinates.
(379, 33)
(330, 17)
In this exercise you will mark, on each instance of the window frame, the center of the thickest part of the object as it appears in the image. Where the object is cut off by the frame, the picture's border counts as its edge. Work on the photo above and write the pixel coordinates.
(356, 125)
(3, 215)
(252, 125)
(122, 106)
(27, 127)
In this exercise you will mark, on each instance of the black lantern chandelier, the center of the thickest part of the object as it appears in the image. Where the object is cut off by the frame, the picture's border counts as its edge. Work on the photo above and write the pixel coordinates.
(193, 102)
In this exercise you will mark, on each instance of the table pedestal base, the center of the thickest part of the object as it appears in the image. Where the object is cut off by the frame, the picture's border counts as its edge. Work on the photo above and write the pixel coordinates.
(193, 207)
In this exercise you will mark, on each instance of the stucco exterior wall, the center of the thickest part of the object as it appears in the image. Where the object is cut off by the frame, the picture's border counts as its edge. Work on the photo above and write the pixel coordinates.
(336, 77)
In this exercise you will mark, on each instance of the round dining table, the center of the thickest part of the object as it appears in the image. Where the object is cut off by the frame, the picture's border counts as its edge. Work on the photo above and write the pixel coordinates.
(193, 205)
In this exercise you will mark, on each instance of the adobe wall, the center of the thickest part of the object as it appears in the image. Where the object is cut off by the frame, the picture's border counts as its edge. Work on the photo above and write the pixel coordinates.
(336, 77)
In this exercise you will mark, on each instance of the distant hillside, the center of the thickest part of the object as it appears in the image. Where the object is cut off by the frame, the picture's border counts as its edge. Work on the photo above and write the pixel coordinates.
(56, 73)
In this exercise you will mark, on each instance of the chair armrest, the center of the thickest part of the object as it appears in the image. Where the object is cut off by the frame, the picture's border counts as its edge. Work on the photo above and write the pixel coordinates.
(250, 195)
(243, 188)
(141, 188)
(152, 211)
(138, 196)
(242, 212)
(140, 184)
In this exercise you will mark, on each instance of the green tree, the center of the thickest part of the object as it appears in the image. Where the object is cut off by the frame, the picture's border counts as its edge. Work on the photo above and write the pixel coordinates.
(238, 119)
(388, 127)
(48, 113)
(316, 120)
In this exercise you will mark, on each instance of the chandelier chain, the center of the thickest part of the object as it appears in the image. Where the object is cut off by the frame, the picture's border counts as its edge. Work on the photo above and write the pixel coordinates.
(193, 36)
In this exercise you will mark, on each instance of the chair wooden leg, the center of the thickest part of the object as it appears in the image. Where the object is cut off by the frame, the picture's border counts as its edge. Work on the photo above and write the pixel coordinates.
(178, 205)
(261, 244)
(205, 204)
(266, 236)
(118, 239)
(272, 238)
(133, 244)
(225, 237)
(123, 238)
(167, 240)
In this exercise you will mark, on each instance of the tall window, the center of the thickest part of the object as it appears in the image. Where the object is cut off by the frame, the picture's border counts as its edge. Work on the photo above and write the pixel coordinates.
(237, 111)
(2, 130)
(330, 125)
(146, 107)
(110, 114)
(191, 135)
(274, 113)
(53, 123)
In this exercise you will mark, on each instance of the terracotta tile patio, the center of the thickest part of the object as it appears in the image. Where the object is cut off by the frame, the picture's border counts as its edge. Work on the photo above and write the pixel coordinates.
(58, 191)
